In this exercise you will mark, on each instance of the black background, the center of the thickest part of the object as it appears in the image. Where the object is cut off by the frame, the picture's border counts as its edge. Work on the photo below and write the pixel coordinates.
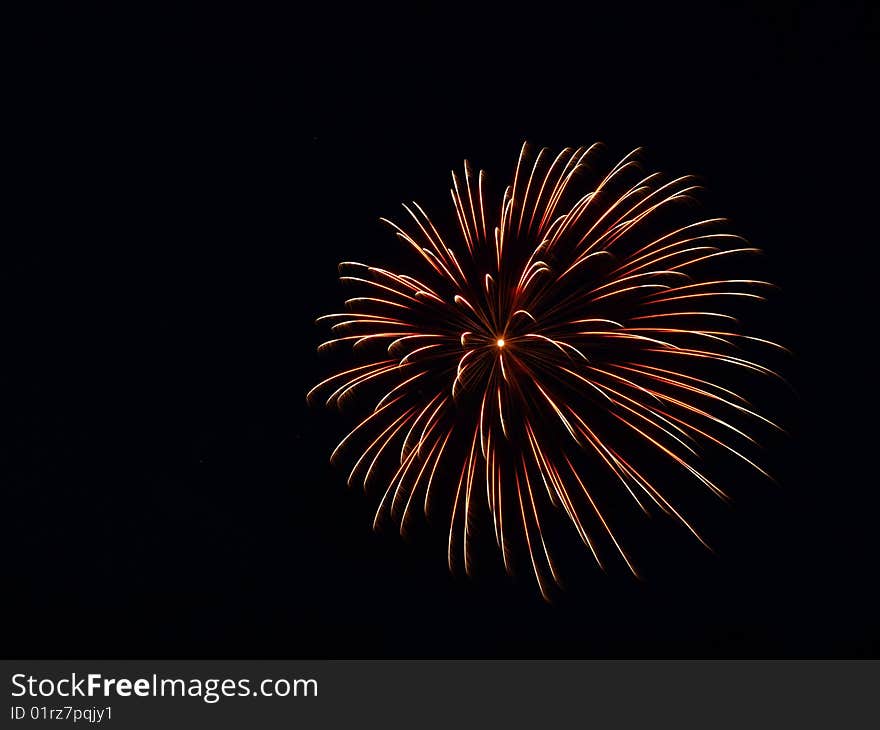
(189, 178)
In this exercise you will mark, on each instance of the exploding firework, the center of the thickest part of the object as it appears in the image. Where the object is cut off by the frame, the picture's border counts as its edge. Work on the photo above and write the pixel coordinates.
(539, 355)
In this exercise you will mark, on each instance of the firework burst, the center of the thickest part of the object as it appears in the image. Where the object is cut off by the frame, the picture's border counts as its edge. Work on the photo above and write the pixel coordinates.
(556, 335)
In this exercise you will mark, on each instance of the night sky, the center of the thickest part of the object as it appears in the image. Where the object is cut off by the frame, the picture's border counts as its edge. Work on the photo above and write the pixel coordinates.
(185, 182)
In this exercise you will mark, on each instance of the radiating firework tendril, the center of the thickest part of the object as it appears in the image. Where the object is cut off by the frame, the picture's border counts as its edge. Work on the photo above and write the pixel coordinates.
(492, 368)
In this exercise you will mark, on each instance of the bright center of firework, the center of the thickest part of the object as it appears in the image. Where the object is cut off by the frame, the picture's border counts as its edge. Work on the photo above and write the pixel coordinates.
(500, 342)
